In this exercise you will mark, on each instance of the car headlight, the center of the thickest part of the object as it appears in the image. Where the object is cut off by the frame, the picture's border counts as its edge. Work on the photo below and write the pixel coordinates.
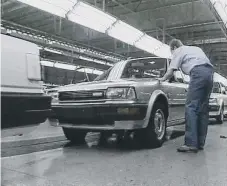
(213, 100)
(121, 93)
(54, 95)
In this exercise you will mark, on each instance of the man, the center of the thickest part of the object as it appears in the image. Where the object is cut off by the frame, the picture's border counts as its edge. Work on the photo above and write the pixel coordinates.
(193, 62)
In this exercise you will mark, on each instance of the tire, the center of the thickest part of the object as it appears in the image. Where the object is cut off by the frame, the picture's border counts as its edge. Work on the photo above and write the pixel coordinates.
(220, 118)
(75, 136)
(103, 138)
(150, 137)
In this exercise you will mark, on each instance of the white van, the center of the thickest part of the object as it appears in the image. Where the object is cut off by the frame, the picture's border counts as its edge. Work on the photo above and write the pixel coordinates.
(22, 99)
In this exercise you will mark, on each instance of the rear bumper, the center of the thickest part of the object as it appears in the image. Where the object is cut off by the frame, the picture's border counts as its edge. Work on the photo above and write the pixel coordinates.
(98, 117)
(24, 109)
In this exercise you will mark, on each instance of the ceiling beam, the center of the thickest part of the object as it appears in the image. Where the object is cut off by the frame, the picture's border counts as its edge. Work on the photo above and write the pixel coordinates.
(167, 5)
(219, 62)
(99, 51)
(186, 2)
(134, 12)
(220, 42)
(216, 16)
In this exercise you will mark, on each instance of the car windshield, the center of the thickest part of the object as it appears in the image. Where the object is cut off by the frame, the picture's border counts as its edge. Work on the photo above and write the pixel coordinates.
(216, 88)
(139, 68)
(145, 68)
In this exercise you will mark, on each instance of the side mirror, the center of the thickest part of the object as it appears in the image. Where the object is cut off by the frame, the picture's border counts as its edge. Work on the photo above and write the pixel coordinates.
(171, 79)
(180, 80)
(223, 91)
(178, 76)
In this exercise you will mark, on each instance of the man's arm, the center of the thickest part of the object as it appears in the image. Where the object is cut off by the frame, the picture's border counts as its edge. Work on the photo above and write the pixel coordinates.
(167, 75)
(174, 65)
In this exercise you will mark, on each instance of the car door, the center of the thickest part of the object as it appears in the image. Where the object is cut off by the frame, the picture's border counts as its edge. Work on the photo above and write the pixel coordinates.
(176, 91)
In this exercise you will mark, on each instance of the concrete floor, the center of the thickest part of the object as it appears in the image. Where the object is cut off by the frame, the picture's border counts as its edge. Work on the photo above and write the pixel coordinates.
(93, 165)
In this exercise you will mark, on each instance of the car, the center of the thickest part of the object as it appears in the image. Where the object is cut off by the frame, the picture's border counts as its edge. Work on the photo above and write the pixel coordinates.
(23, 100)
(218, 102)
(127, 98)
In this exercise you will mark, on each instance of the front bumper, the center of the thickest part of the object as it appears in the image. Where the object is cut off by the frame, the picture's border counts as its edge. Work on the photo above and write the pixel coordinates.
(214, 110)
(105, 116)
(213, 114)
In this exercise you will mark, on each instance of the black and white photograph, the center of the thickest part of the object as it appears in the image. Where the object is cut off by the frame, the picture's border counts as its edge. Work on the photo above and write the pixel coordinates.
(113, 92)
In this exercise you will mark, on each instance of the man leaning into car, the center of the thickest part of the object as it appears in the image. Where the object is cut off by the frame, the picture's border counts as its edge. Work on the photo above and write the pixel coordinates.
(193, 62)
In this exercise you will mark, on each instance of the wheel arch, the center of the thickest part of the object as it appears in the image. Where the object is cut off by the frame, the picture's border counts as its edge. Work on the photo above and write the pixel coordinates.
(156, 96)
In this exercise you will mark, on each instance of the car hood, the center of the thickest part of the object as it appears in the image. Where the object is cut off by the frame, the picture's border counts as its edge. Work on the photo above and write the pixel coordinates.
(101, 85)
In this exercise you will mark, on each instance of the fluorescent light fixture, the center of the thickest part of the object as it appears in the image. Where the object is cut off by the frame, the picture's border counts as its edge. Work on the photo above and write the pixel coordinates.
(82, 50)
(102, 62)
(56, 7)
(47, 63)
(97, 72)
(90, 17)
(124, 32)
(65, 66)
(163, 51)
(148, 44)
(53, 51)
(221, 8)
(90, 71)
(99, 61)
(8, 31)
(154, 46)
(94, 60)
(70, 67)
(85, 58)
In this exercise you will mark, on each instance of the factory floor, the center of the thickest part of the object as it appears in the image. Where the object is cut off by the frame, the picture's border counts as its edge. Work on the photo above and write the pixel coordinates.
(41, 156)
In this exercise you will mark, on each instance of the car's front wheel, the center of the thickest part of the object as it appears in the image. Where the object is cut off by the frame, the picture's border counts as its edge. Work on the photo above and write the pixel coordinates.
(154, 134)
(220, 118)
(75, 136)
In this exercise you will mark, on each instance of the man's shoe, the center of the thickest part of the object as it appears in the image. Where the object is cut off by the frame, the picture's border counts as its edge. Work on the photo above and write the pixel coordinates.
(186, 148)
(201, 148)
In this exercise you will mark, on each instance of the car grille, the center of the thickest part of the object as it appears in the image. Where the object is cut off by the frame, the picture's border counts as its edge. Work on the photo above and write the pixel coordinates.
(81, 95)
(214, 107)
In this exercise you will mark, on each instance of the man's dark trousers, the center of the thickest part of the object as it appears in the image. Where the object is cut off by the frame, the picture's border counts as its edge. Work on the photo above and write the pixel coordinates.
(197, 105)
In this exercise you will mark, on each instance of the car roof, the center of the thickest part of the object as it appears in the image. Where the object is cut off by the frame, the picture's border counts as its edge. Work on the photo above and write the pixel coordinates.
(133, 59)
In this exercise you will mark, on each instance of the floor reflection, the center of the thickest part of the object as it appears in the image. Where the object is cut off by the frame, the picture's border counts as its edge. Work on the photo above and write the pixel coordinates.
(113, 142)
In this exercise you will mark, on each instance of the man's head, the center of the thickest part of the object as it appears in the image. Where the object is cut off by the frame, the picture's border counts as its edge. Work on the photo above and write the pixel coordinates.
(174, 44)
